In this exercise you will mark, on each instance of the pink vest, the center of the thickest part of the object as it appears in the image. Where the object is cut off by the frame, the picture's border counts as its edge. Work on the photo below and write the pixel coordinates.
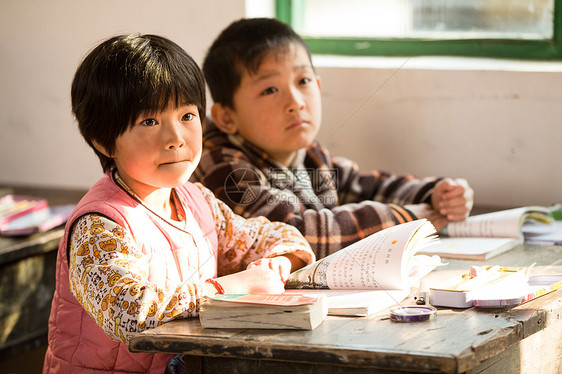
(76, 342)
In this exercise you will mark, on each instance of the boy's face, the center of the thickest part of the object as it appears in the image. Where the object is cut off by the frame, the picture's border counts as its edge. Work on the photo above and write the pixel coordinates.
(279, 107)
(160, 150)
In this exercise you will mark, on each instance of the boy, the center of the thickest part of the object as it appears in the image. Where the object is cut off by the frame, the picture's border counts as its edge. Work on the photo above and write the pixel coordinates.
(143, 246)
(261, 157)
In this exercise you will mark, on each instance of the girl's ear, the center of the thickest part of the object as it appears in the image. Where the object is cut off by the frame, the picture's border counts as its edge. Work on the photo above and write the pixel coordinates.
(100, 148)
(222, 116)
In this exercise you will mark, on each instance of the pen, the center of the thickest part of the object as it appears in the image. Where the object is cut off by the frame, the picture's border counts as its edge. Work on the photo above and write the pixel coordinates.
(421, 295)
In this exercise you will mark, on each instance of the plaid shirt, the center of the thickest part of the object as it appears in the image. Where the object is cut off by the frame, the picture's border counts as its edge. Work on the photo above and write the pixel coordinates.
(326, 198)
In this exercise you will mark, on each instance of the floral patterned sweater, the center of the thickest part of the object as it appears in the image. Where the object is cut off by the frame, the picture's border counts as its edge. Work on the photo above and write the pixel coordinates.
(117, 281)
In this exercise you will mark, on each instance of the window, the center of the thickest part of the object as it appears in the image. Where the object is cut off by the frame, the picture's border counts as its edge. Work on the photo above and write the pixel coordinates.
(491, 28)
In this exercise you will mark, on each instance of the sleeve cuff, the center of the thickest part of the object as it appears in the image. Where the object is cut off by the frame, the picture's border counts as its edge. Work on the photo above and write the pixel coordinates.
(401, 214)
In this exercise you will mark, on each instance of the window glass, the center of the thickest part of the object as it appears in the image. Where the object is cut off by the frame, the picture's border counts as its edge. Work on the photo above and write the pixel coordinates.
(426, 19)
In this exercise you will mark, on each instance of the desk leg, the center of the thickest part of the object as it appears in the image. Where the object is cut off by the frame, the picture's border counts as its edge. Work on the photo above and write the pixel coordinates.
(193, 364)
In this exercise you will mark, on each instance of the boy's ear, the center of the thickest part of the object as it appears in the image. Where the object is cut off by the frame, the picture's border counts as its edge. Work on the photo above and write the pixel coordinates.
(222, 116)
(319, 83)
(100, 148)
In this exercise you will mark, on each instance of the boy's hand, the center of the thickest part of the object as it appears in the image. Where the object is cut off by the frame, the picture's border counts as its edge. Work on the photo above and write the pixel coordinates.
(280, 264)
(426, 211)
(453, 199)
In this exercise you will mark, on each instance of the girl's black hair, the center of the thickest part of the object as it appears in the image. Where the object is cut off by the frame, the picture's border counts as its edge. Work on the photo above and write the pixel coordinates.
(126, 76)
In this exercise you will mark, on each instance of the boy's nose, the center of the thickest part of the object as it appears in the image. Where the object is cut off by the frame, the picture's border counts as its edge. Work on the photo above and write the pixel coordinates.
(296, 100)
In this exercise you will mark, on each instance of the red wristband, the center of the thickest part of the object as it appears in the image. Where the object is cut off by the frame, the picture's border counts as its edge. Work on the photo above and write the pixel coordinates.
(217, 285)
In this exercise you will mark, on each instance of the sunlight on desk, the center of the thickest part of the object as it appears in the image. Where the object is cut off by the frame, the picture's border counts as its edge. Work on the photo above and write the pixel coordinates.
(525, 338)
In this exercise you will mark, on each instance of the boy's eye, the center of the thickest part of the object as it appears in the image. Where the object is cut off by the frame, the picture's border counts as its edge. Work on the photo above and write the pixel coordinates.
(305, 81)
(269, 91)
(188, 117)
(149, 122)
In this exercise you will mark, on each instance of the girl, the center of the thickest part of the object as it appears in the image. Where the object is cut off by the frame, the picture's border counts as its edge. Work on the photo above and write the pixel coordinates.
(144, 245)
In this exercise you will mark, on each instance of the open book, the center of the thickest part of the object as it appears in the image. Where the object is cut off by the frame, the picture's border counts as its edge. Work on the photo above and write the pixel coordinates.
(483, 236)
(371, 274)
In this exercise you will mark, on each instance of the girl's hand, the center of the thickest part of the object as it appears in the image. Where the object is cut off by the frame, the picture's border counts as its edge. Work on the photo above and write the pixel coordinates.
(453, 199)
(255, 279)
(280, 264)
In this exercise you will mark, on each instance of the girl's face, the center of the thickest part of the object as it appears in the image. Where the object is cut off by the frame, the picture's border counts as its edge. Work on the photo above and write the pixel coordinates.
(160, 150)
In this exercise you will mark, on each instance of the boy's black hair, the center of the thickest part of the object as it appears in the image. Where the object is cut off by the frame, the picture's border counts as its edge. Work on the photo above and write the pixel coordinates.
(126, 76)
(242, 47)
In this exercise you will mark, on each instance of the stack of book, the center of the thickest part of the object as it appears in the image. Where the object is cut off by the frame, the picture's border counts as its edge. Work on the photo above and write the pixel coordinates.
(25, 215)
(295, 312)
(492, 287)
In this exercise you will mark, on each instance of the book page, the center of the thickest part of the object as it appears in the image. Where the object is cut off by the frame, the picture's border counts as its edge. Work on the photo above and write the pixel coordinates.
(505, 223)
(287, 299)
(377, 262)
(357, 302)
(536, 233)
(476, 248)
(374, 264)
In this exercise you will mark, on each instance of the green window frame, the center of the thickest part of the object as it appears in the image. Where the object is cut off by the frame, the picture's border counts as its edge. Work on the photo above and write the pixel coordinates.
(290, 12)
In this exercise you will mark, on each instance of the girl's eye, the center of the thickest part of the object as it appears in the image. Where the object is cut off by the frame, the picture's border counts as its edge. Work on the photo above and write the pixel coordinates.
(149, 122)
(269, 91)
(305, 81)
(188, 117)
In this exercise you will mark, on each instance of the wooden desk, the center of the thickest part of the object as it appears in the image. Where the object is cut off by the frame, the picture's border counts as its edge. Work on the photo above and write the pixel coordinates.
(27, 279)
(527, 338)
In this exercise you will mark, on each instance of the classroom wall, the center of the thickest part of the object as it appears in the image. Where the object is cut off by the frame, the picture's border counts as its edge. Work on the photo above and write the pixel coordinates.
(495, 123)
(41, 45)
(498, 128)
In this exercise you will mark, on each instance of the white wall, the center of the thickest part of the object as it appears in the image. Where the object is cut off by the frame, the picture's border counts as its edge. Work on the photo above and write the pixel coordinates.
(499, 129)
(493, 122)
(41, 45)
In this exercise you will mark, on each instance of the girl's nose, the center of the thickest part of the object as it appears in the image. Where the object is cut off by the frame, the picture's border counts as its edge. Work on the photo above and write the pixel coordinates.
(174, 138)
